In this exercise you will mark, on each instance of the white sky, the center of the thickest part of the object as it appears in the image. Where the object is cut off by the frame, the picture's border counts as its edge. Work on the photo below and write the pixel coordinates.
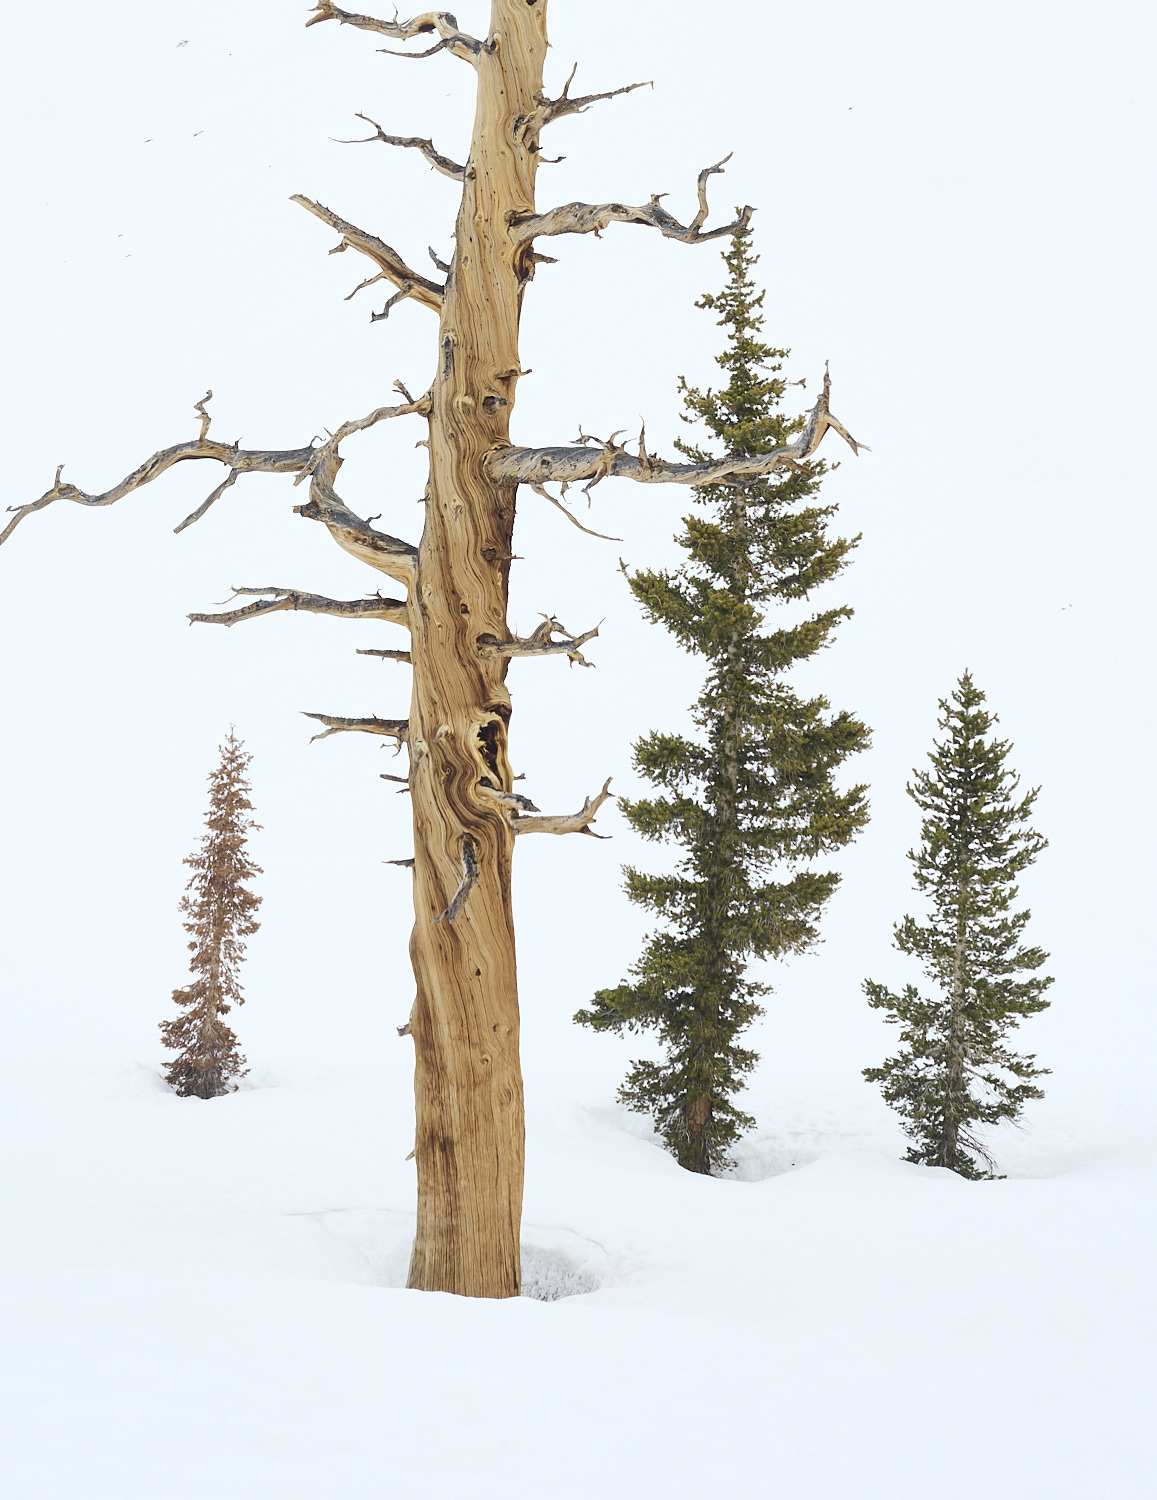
(955, 208)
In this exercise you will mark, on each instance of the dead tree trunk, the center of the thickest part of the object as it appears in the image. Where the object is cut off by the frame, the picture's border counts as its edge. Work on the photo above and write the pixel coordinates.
(468, 1083)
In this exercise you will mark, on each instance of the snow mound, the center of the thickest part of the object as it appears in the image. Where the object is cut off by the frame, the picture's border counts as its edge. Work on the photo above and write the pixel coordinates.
(561, 1265)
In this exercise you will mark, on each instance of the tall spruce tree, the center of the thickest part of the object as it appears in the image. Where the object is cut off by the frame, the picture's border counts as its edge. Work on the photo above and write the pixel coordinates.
(219, 917)
(955, 1072)
(754, 791)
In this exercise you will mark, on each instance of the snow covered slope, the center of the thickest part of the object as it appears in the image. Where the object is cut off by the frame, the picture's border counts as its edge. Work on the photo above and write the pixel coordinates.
(207, 1298)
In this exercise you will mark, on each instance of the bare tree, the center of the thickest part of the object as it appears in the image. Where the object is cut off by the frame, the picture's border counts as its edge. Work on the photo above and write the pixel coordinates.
(468, 1084)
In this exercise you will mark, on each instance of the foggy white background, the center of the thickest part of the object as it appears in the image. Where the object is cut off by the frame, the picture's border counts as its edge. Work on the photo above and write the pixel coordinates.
(954, 208)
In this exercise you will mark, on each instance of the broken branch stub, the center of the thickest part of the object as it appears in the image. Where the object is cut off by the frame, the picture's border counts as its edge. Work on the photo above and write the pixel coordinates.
(400, 656)
(394, 729)
(578, 822)
(541, 642)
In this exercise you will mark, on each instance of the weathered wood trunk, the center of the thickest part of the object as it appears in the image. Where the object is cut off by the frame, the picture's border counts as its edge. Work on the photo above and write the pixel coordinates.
(468, 1083)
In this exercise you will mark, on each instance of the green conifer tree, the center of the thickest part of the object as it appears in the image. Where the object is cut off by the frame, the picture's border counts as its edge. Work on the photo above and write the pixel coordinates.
(955, 1073)
(219, 912)
(754, 791)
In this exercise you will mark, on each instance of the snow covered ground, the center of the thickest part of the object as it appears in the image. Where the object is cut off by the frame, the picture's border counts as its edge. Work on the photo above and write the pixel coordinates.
(207, 1298)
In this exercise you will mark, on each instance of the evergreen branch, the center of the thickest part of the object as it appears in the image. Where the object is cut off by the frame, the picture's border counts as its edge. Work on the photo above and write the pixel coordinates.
(578, 822)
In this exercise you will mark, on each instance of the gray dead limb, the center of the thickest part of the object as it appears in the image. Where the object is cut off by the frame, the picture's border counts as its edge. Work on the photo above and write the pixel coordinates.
(465, 885)
(541, 642)
(538, 466)
(391, 266)
(440, 22)
(318, 465)
(593, 218)
(548, 110)
(374, 608)
(578, 822)
(439, 162)
(395, 729)
(238, 460)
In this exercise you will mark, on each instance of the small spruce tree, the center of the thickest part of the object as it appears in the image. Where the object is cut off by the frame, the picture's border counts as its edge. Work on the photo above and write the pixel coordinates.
(219, 917)
(955, 1074)
(755, 790)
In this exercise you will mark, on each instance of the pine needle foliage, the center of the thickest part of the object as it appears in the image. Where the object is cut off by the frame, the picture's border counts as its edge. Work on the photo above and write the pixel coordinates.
(219, 917)
(754, 791)
(955, 1073)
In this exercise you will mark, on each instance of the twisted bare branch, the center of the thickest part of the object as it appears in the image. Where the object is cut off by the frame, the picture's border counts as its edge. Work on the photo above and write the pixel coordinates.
(548, 110)
(239, 460)
(593, 218)
(540, 642)
(465, 885)
(387, 553)
(397, 559)
(460, 43)
(538, 466)
(318, 465)
(373, 608)
(439, 162)
(391, 266)
(396, 729)
(578, 822)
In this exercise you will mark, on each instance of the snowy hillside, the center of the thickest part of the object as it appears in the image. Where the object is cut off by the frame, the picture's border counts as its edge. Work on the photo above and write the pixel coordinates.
(205, 1297)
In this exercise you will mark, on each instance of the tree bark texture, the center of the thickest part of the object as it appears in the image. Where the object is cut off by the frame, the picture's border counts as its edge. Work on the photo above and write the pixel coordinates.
(468, 1083)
